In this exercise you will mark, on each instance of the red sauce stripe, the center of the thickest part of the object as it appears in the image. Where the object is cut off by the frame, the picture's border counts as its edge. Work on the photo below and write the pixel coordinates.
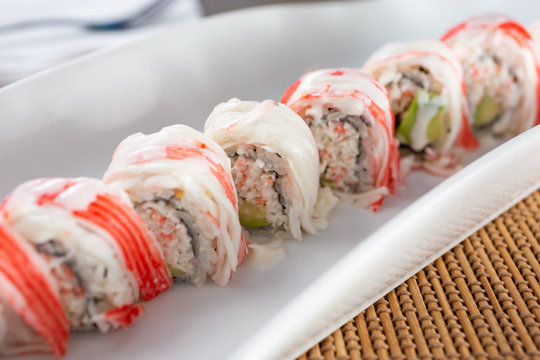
(509, 27)
(179, 152)
(516, 31)
(48, 198)
(150, 247)
(375, 205)
(124, 315)
(42, 309)
(139, 249)
(453, 31)
(290, 91)
(378, 85)
(395, 166)
(242, 251)
(465, 138)
(3, 205)
(328, 89)
(380, 116)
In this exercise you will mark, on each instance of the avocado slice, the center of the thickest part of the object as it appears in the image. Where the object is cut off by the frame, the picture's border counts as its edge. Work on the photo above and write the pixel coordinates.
(407, 123)
(435, 127)
(486, 111)
(175, 272)
(326, 182)
(252, 215)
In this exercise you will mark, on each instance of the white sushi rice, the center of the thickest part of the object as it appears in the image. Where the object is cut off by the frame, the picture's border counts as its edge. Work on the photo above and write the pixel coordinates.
(165, 215)
(344, 143)
(62, 265)
(95, 287)
(259, 178)
(172, 235)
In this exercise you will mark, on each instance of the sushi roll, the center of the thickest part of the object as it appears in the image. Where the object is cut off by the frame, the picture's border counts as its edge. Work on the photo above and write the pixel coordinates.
(501, 73)
(274, 165)
(103, 258)
(349, 115)
(31, 315)
(425, 85)
(180, 183)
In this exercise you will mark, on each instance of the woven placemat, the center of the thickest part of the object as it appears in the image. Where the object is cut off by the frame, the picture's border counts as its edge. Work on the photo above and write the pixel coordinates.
(479, 300)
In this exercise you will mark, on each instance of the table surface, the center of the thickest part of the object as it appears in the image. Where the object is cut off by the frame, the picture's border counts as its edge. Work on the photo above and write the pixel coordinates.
(479, 300)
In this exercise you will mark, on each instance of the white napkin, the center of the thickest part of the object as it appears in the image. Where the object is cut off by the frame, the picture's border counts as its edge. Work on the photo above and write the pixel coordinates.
(26, 51)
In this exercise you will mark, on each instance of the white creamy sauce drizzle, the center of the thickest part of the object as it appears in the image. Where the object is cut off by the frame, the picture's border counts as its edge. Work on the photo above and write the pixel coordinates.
(427, 109)
(365, 199)
(264, 257)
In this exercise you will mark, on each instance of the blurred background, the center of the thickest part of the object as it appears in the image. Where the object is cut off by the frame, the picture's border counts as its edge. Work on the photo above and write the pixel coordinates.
(38, 34)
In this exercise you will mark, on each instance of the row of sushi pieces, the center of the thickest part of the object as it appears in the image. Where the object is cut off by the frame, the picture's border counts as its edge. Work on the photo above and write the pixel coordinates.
(86, 253)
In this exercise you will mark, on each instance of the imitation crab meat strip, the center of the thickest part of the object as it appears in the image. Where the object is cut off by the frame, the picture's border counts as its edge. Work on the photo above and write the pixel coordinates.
(29, 290)
(143, 258)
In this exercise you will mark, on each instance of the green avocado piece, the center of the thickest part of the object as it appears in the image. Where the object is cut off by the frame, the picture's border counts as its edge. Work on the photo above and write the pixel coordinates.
(326, 182)
(486, 111)
(407, 123)
(252, 215)
(436, 128)
(175, 272)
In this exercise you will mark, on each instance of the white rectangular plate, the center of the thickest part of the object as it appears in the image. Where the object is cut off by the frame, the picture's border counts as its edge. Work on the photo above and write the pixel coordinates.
(67, 122)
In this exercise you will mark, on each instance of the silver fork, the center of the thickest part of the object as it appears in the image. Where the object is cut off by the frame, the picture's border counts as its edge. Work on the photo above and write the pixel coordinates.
(139, 18)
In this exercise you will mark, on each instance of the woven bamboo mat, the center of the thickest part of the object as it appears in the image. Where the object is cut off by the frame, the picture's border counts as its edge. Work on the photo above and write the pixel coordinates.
(479, 300)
